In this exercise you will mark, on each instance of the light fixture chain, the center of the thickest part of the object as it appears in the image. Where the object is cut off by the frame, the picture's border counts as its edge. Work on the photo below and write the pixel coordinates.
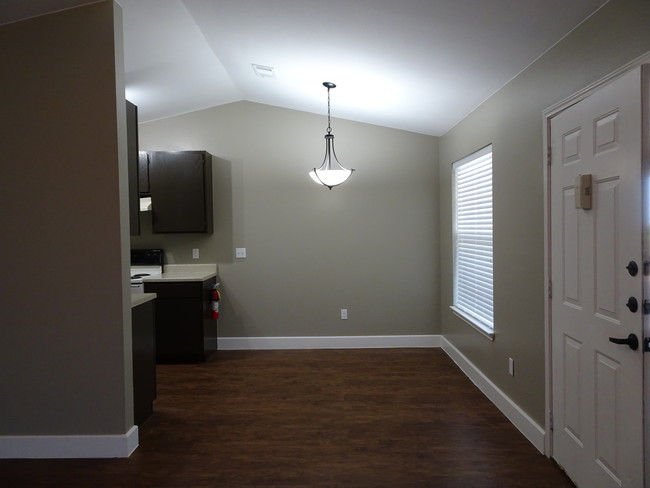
(329, 123)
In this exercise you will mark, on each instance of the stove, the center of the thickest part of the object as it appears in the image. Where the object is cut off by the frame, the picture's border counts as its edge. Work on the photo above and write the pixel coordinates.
(145, 262)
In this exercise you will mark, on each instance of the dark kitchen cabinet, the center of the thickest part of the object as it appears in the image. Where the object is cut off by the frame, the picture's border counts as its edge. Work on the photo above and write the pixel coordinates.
(185, 330)
(132, 151)
(180, 185)
(143, 173)
(144, 360)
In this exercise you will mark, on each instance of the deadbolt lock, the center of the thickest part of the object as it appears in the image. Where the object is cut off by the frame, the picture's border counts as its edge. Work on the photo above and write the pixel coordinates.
(632, 304)
(632, 268)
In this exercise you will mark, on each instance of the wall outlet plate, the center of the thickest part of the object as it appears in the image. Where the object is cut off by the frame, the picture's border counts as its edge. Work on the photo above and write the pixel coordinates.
(195, 254)
(240, 252)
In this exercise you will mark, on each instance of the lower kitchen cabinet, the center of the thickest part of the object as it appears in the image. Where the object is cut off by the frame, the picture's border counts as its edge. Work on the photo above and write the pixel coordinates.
(185, 331)
(144, 361)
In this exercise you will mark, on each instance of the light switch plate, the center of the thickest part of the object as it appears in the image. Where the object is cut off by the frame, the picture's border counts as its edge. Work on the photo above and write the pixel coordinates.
(195, 254)
(240, 252)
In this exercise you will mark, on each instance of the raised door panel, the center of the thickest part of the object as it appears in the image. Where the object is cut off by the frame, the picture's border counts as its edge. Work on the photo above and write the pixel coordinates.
(571, 420)
(607, 295)
(571, 250)
(608, 417)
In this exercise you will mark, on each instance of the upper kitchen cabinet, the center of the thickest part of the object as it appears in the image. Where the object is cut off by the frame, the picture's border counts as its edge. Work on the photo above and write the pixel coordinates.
(132, 150)
(180, 185)
(143, 173)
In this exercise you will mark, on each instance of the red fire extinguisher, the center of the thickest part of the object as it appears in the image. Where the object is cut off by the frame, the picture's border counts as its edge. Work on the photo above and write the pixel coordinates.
(215, 296)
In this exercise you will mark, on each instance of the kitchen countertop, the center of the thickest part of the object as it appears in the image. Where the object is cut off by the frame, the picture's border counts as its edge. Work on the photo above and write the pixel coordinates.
(184, 272)
(140, 298)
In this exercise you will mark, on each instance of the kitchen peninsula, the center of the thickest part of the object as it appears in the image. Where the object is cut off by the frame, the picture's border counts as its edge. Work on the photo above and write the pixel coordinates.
(185, 328)
(184, 272)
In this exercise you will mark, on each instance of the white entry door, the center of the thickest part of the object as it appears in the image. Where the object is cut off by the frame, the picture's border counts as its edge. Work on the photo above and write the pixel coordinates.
(597, 392)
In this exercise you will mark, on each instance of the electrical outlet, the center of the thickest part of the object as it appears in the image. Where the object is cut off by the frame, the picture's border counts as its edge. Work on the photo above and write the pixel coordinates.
(511, 366)
(195, 254)
(240, 252)
(344, 314)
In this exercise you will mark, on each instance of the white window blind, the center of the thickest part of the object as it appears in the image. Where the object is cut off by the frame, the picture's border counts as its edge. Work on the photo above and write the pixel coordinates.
(473, 278)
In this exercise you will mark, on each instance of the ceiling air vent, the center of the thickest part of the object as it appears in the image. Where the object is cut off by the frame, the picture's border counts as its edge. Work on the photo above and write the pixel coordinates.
(264, 71)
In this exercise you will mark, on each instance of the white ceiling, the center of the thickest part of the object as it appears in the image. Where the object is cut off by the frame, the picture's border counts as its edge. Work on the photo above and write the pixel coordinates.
(417, 65)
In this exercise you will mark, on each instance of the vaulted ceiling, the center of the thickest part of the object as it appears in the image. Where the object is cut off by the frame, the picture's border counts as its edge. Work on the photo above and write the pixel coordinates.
(417, 65)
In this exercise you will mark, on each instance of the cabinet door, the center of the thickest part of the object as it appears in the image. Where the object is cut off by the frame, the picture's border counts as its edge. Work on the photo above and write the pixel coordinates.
(178, 183)
(179, 332)
(144, 361)
(132, 150)
(143, 173)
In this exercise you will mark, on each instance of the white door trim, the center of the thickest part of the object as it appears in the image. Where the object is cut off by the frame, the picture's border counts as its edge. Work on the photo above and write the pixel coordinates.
(645, 176)
(548, 114)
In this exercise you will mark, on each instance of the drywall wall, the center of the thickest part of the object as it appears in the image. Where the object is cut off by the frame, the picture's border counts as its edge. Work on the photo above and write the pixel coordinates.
(512, 121)
(370, 245)
(64, 315)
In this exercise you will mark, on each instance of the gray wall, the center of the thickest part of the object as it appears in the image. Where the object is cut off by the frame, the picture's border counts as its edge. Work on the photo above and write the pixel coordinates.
(64, 309)
(370, 245)
(512, 121)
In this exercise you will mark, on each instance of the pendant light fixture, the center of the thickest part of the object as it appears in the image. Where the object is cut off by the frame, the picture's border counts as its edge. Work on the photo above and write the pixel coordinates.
(330, 173)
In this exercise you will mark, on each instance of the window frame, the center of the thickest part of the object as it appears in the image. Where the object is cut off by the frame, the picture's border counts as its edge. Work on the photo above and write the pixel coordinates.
(476, 317)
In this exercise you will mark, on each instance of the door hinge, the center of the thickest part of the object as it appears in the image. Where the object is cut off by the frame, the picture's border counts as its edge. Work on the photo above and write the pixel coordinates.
(550, 420)
(646, 307)
(550, 289)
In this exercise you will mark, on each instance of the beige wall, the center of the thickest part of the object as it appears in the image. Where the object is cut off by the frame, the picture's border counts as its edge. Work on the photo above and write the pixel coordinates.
(64, 319)
(370, 245)
(512, 121)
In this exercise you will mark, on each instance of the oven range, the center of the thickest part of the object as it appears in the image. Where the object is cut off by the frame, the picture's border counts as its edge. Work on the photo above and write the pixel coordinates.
(145, 262)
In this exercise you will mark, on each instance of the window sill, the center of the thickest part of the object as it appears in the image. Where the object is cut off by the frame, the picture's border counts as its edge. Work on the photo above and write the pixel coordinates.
(483, 330)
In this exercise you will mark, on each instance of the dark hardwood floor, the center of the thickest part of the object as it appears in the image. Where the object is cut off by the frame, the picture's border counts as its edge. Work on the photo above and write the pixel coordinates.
(329, 418)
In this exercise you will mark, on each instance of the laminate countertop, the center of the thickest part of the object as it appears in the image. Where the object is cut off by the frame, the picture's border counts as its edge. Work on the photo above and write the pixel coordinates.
(183, 272)
(140, 298)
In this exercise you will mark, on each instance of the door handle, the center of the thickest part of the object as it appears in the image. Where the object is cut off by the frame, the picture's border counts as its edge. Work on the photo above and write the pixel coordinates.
(632, 341)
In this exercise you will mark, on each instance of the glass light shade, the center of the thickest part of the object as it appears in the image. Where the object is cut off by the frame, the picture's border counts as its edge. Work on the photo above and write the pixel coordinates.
(330, 173)
(330, 178)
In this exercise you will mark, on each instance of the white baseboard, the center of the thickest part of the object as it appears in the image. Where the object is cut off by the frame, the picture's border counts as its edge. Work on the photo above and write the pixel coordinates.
(69, 446)
(328, 342)
(520, 419)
